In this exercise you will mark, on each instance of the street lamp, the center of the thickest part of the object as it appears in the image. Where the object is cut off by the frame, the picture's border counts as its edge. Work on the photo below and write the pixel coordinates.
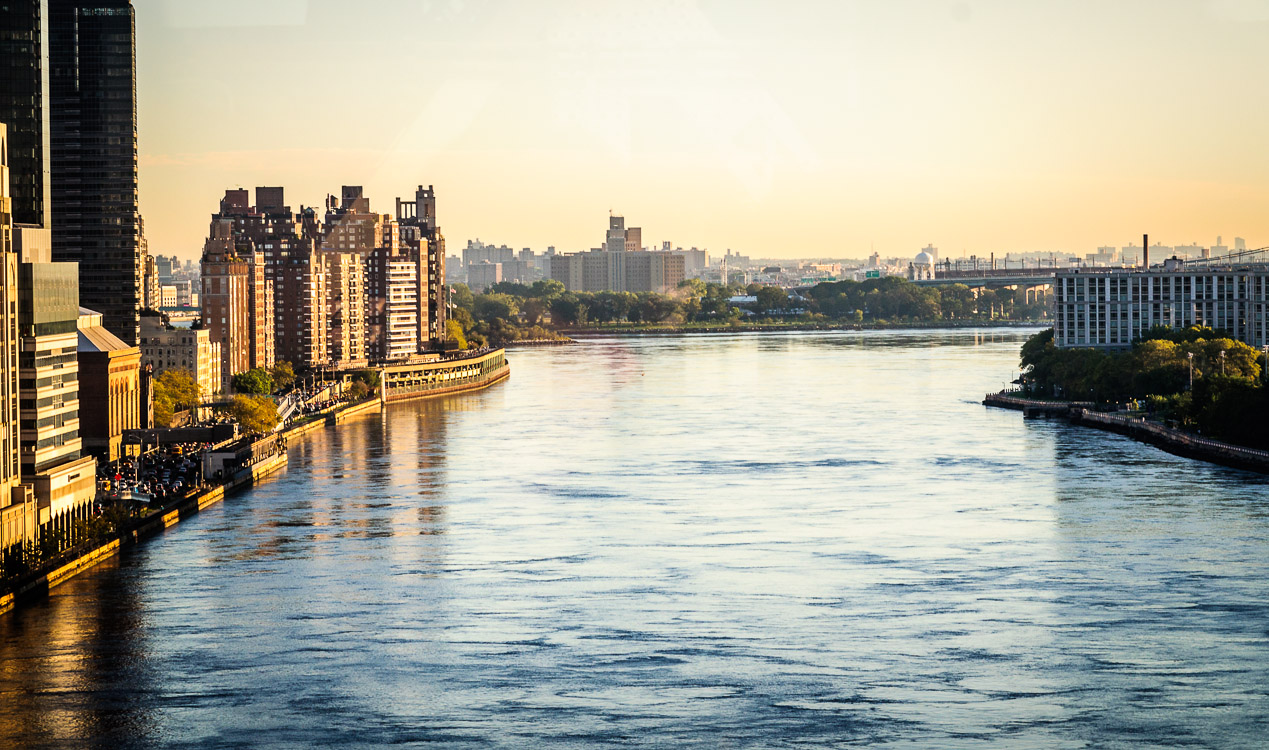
(1222, 363)
(1190, 355)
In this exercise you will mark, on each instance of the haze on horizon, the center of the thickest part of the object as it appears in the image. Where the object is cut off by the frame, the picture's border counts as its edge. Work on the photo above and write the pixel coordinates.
(791, 129)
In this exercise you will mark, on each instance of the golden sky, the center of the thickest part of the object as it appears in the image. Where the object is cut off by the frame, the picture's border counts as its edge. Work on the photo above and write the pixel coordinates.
(775, 129)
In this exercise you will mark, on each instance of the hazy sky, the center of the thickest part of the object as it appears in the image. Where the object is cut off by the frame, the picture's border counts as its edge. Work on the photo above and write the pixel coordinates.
(771, 128)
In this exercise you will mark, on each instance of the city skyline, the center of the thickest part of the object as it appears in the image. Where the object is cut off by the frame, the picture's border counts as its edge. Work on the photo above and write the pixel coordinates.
(981, 127)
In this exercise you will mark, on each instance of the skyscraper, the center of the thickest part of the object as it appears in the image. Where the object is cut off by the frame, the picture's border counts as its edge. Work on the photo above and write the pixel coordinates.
(93, 118)
(17, 509)
(23, 70)
(9, 472)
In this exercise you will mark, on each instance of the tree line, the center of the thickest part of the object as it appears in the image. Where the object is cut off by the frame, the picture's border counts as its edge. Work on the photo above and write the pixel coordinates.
(1228, 398)
(511, 311)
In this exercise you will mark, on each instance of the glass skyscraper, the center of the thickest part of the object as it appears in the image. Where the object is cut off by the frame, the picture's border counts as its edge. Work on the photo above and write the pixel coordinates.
(93, 117)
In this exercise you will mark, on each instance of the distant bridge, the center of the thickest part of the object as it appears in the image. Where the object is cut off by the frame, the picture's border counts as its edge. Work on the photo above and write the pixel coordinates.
(991, 277)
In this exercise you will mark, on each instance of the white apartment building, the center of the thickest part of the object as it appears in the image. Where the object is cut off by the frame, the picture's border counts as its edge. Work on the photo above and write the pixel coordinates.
(1106, 308)
(402, 309)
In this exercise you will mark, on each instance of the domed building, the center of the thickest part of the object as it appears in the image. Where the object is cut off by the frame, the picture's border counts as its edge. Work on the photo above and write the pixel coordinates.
(921, 267)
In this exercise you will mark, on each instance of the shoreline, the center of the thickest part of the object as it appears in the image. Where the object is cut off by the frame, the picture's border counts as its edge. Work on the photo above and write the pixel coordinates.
(1169, 439)
(36, 584)
(591, 332)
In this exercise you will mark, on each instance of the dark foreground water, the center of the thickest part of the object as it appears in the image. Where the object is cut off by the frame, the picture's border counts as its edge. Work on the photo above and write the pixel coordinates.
(733, 541)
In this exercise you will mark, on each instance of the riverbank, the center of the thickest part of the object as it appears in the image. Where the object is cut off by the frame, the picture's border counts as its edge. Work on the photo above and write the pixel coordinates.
(1172, 440)
(434, 379)
(37, 583)
(633, 329)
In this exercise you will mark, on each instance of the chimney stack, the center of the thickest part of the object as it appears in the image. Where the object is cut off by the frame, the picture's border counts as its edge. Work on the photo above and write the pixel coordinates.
(1145, 251)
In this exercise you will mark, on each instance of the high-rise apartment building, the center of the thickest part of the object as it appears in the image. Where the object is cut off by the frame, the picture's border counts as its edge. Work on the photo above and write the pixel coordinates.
(302, 328)
(392, 297)
(93, 140)
(346, 307)
(225, 300)
(421, 237)
(17, 510)
(260, 301)
(333, 286)
(349, 226)
(281, 247)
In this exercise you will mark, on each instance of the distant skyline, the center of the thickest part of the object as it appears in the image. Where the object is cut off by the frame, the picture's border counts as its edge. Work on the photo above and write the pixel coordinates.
(775, 130)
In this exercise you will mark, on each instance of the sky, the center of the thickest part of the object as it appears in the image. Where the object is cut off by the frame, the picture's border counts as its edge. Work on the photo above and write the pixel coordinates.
(773, 129)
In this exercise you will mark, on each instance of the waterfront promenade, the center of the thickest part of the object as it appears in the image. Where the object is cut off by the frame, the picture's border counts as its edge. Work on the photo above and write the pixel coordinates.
(430, 379)
(1176, 441)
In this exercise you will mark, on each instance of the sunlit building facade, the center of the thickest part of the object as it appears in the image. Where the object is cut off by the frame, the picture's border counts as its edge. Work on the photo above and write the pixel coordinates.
(1108, 308)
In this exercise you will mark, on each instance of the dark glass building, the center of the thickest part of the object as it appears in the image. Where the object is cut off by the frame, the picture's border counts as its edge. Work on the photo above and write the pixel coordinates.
(93, 116)
(23, 70)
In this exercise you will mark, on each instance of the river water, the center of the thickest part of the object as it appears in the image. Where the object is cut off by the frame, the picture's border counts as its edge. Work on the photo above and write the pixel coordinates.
(776, 540)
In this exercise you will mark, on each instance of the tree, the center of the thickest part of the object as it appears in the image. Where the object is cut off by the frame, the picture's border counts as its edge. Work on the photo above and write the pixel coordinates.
(693, 287)
(257, 381)
(546, 288)
(358, 391)
(510, 288)
(173, 391)
(256, 415)
(283, 375)
(610, 306)
(367, 376)
(462, 297)
(533, 309)
(568, 309)
(454, 335)
(771, 298)
(490, 306)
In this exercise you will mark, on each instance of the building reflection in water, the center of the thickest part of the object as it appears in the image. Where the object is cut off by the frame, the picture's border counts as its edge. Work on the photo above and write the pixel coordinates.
(74, 669)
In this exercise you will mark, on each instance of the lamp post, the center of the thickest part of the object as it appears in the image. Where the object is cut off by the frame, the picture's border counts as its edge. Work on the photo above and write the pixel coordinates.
(1222, 363)
(1190, 356)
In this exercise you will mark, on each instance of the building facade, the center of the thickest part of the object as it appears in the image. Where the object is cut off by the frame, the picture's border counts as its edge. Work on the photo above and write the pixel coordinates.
(392, 284)
(482, 275)
(109, 387)
(192, 351)
(1109, 308)
(225, 302)
(600, 271)
(93, 178)
(64, 481)
(23, 107)
(17, 506)
(345, 307)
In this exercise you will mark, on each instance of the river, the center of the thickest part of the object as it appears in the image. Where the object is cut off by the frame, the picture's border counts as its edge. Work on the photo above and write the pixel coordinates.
(773, 540)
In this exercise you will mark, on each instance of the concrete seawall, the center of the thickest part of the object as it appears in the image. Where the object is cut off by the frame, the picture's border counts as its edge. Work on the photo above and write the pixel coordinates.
(1176, 441)
(39, 582)
(1169, 439)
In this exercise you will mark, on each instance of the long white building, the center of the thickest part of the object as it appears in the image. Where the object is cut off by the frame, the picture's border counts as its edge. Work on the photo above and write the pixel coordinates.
(1107, 308)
